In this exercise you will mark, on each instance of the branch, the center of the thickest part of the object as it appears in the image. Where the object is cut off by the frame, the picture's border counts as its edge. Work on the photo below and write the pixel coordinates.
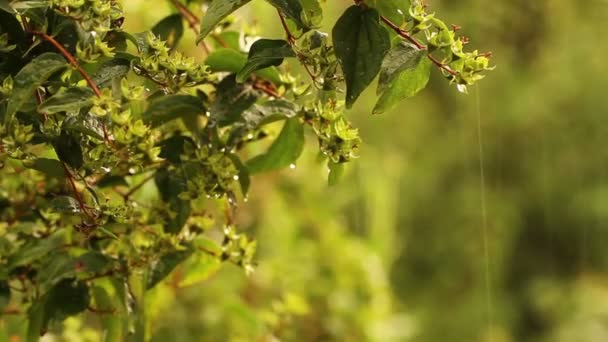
(194, 21)
(75, 64)
(70, 58)
(404, 34)
(83, 208)
(138, 186)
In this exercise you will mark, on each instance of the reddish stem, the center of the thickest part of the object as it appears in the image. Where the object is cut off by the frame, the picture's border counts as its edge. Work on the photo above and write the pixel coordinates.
(194, 21)
(83, 208)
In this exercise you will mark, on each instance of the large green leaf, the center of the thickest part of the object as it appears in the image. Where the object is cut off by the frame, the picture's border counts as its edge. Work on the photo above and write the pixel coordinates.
(218, 10)
(35, 249)
(68, 149)
(361, 44)
(117, 67)
(170, 107)
(31, 77)
(72, 99)
(170, 29)
(284, 151)
(230, 60)
(265, 53)
(292, 9)
(160, 269)
(85, 124)
(405, 71)
(50, 167)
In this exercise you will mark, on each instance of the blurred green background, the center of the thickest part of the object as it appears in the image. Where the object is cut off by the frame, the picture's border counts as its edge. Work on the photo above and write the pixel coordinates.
(395, 252)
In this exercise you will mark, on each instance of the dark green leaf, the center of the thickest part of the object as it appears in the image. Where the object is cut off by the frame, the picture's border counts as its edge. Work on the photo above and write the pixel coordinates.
(231, 101)
(5, 295)
(405, 71)
(265, 53)
(293, 10)
(5, 6)
(85, 124)
(163, 267)
(232, 61)
(50, 167)
(31, 77)
(170, 185)
(218, 10)
(61, 265)
(173, 147)
(170, 107)
(313, 13)
(361, 44)
(112, 180)
(283, 152)
(67, 298)
(68, 149)
(72, 99)
(170, 29)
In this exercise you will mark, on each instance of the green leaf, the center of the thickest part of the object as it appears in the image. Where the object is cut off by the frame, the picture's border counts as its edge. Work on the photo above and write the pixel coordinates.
(170, 29)
(231, 101)
(107, 299)
(218, 10)
(198, 268)
(5, 6)
(293, 10)
(117, 67)
(232, 61)
(313, 13)
(35, 249)
(72, 99)
(395, 10)
(50, 167)
(85, 124)
(405, 71)
(25, 4)
(67, 298)
(61, 265)
(361, 44)
(265, 53)
(5, 295)
(283, 152)
(336, 171)
(160, 269)
(173, 147)
(170, 185)
(31, 77)
(68, 149)
(244, 178)
(170, 107)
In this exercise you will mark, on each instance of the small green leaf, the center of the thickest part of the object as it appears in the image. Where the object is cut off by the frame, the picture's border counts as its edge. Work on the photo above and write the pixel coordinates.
(160, 269)
(218, 10)
(232, 61)
(50, 167)
(405, 71)
(293, 10)
(283, 152)
(170, 107)
(395, 10)
(72, 99)
(265, 53)
(31, 77)
(170, 29)
(361, 44)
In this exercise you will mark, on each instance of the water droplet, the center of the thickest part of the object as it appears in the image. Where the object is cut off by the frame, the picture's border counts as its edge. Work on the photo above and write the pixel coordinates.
(106, 169)
(132, 170)
(235, 177)
(246, 199)
(292, 166)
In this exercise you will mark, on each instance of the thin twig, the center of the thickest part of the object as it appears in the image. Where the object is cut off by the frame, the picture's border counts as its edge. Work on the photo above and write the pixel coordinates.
(83, 208)
(138, 186)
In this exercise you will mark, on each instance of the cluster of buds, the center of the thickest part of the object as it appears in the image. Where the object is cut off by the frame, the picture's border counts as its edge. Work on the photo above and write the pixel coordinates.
(170, 69)
(460, 67)
(99, 16)
(338, 140)
(238, 249)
